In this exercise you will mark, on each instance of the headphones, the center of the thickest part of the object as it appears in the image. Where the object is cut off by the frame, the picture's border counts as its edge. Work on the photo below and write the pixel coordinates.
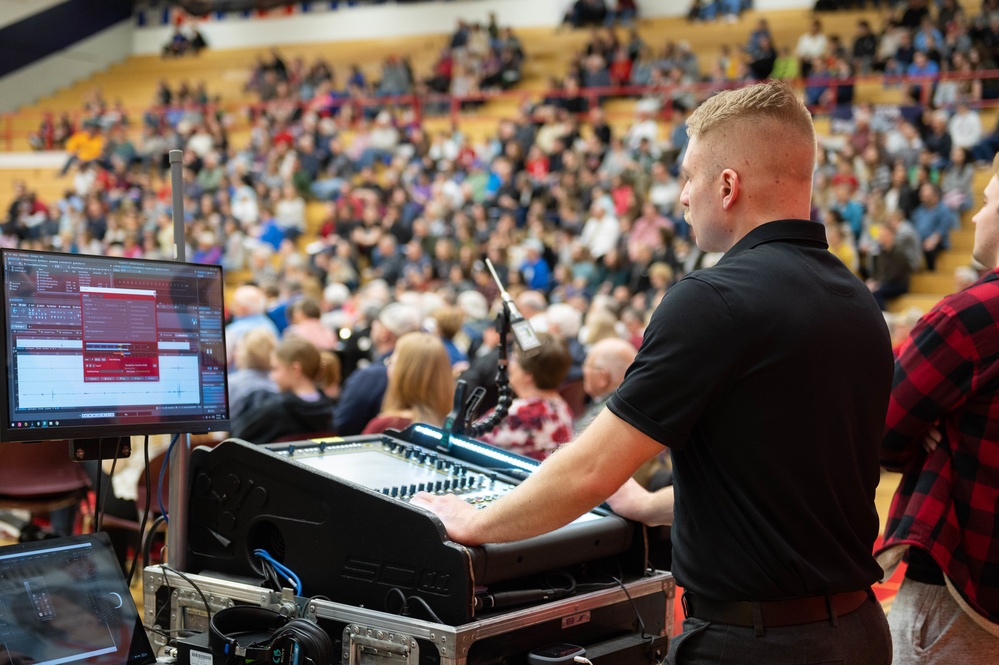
(287, 641)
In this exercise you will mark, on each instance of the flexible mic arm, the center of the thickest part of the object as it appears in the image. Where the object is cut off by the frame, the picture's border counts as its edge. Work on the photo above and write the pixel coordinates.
(502, 382)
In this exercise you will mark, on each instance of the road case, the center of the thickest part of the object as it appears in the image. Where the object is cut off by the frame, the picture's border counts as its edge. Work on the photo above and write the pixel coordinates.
(626, 622)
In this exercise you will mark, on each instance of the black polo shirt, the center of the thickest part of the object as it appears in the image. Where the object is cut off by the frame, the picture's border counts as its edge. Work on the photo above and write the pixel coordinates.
(768, 376)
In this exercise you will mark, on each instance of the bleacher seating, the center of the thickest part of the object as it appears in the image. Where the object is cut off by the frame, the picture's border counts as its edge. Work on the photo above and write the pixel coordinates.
(549, 53)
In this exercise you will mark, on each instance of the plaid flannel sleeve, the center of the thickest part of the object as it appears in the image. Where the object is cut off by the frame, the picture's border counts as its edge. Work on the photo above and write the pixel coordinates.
(934, 372)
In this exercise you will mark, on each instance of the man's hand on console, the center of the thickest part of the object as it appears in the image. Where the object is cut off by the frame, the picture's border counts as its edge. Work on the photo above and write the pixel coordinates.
(457, 514)
(637, 503)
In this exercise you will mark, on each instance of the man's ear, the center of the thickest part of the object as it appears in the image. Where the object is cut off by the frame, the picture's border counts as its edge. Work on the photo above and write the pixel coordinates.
(730, 188)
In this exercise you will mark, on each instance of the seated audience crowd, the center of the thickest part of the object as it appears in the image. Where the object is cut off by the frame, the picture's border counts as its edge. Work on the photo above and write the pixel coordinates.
(355, 228)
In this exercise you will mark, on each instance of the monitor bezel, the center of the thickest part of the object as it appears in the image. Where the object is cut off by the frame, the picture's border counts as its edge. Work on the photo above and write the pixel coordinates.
(184, 425)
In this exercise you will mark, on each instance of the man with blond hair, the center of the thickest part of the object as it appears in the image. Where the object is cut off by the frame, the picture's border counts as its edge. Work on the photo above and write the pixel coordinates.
(767, 376)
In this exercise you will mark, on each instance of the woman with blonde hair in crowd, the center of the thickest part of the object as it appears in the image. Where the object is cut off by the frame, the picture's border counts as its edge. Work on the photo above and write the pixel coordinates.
(420, 384)
(601, 323)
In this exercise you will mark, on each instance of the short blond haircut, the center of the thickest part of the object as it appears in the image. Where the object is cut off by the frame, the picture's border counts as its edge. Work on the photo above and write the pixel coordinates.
(420, 379)
(771, 101)
(769, 115)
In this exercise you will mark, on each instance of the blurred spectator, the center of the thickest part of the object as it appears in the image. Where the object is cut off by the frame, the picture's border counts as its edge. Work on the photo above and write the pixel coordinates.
(535, 270)
(449, 320)
(251, 381)
(921, 69)
(625, 12)
(906, 239)
(603, 371)
(539, 420)
(248, 307)
(956, 181)
(811, 47)
(84, 146)
(890, 270)
(584, 13)
(420, 385)
(933, 221)
(304, 316)
(965, 126)
(762, 59)
(865, 47)
(363, 390)
(299, 408)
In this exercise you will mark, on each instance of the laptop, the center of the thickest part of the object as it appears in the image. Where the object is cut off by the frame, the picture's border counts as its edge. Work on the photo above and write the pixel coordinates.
(65, 601)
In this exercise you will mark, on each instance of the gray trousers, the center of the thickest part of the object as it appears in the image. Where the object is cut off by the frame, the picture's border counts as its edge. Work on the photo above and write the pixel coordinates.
(860, 638)
(929, 628)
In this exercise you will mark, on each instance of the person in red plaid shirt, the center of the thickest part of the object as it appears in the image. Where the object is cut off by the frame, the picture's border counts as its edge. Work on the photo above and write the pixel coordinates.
(942, 433)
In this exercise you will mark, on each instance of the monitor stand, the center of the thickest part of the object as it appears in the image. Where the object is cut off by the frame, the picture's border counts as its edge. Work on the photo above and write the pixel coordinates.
(110, 447)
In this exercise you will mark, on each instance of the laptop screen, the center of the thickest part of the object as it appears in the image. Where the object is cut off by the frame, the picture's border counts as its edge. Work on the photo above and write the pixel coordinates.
(65, 601)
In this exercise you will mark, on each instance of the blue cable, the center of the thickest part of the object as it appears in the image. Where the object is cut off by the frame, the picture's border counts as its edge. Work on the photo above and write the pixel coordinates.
(159, 487)
(287, 572)
(281, 568)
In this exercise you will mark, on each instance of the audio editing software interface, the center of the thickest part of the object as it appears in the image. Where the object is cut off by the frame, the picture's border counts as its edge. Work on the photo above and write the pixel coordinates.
(93, 340)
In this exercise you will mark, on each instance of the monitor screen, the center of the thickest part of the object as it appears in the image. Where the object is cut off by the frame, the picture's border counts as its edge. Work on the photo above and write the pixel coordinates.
(97, 346)
(66, 601)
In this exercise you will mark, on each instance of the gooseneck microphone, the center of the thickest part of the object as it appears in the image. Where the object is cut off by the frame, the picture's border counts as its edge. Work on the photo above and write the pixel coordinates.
(523, 332)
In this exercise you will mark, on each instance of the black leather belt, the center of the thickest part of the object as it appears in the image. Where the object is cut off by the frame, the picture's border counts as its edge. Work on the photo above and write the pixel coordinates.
(776, 613)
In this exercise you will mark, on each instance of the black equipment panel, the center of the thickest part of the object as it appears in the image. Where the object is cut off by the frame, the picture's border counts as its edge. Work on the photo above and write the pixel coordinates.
(336, 512)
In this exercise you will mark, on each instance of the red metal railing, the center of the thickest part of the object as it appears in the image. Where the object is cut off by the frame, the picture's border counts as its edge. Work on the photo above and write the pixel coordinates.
(455, 107)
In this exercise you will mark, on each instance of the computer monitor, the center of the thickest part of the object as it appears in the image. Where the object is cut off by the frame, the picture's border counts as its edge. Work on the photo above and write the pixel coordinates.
(97, 347)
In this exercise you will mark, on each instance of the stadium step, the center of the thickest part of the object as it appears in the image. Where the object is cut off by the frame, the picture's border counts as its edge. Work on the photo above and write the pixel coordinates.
(940, 283)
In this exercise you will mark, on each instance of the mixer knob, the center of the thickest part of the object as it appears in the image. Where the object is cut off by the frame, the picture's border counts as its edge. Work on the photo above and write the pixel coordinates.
(412, 490)
(447, 484)
(438, 485)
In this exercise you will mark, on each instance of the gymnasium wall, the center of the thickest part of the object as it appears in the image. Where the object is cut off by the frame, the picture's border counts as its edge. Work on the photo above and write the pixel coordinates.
(348, 23)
